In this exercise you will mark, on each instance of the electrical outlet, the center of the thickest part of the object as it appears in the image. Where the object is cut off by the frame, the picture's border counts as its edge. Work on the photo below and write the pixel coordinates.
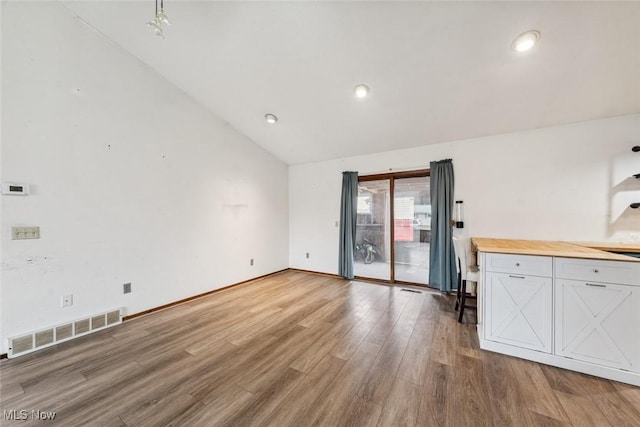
(251, 261)
(126, 288)
(23, 233)
(67, 300)
(307, 254)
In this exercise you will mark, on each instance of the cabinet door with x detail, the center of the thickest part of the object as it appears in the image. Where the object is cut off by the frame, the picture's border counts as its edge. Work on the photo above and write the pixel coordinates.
(598, 323)
(519, 310)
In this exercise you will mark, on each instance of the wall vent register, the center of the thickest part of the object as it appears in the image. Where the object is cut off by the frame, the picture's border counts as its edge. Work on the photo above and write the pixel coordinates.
(43, 338)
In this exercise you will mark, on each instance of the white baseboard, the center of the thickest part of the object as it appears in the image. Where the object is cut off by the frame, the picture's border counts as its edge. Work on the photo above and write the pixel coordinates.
(620, 375)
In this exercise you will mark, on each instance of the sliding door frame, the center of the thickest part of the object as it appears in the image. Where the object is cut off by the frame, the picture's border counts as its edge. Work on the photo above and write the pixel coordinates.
(391, 177)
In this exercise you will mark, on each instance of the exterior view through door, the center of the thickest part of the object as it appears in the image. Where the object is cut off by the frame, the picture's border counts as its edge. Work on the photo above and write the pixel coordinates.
(403, 200)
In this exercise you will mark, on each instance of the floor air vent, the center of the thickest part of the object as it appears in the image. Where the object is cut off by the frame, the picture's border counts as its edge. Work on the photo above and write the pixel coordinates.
(410, 290)
(43, 338)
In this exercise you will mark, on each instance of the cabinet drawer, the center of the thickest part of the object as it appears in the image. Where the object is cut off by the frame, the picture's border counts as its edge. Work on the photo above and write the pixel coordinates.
(625, 273)
(520, 264)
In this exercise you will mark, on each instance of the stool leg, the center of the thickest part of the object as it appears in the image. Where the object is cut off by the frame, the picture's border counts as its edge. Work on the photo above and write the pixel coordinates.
(458, 292)
(463, 294)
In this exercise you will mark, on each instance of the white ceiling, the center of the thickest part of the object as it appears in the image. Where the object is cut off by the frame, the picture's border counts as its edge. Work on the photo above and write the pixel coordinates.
(438, 71)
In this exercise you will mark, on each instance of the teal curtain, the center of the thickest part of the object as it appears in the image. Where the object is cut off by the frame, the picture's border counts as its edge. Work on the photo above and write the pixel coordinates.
(348, 216)
(442, 259)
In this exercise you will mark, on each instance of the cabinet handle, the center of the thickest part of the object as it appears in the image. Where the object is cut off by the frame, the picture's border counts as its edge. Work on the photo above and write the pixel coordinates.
(516, 277)
(517, 264)
(595, 270)
(597, 285)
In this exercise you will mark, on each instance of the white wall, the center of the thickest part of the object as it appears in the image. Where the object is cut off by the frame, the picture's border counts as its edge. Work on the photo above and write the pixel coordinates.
(562, 183)
(132, 181)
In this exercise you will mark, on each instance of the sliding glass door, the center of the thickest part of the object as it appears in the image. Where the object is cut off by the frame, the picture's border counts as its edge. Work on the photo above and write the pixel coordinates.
(412, 226)
(394, 208)
(373, 237)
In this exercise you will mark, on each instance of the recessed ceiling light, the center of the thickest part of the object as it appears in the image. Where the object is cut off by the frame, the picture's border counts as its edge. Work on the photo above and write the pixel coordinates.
(525, 41)
(271, 118)
(361, 91)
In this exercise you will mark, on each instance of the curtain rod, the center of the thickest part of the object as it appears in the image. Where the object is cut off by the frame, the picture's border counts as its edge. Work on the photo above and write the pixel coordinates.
(396, 170)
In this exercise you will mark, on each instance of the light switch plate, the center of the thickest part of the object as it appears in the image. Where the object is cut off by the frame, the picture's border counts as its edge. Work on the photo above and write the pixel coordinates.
(22, 233)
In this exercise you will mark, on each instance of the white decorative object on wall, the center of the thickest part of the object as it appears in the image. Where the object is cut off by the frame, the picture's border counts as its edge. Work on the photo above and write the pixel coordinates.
(15, 189)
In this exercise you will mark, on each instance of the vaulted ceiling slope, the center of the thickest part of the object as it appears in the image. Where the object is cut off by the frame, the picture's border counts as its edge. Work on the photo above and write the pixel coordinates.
(438, 71)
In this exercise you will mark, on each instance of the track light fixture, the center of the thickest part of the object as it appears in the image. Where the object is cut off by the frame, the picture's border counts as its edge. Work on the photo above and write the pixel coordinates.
(159, 18)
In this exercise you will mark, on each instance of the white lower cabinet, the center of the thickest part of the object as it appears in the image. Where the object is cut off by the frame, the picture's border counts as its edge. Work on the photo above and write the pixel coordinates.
(598, 323)
(581, 314)
(519, 310)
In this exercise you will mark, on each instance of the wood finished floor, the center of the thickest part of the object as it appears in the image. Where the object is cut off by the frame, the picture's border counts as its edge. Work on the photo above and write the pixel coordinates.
(299, 349)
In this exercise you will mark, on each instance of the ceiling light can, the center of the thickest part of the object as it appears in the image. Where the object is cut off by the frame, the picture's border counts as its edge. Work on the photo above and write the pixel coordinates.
(525, 41)
(361, 91)
(271, 118)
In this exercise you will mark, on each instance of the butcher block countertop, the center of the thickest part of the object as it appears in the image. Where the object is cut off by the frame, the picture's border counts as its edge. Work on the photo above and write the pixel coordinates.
(551, 248)
(612, 246)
